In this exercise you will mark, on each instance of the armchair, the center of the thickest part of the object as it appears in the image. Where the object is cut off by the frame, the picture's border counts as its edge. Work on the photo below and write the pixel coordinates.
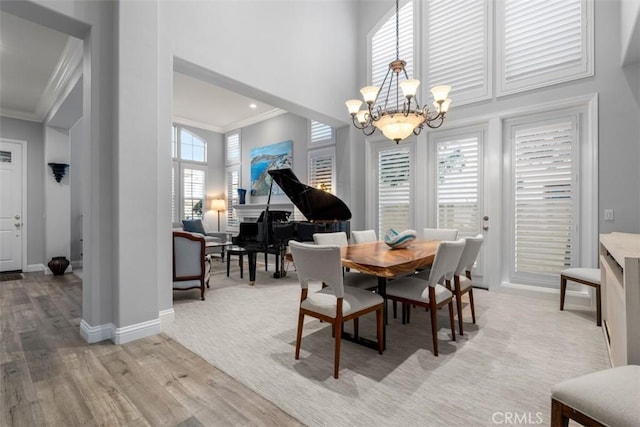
(198, 228)
(190, 264)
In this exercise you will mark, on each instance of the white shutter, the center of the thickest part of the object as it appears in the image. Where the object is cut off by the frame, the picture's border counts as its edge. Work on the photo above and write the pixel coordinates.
(394, 189)
(543, 42)
(544, 195)
(383, 51)
(321, 169)
(458, 48)
(173, 193)
(458, 183)
(233, 149)
(233, 183)
(193, 181)
(321, 134)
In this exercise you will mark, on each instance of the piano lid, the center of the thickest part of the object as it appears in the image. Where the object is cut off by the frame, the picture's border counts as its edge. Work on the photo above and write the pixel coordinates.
(315, 205)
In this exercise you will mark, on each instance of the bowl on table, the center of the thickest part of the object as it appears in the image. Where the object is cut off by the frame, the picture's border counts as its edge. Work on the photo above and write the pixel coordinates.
(399, 240)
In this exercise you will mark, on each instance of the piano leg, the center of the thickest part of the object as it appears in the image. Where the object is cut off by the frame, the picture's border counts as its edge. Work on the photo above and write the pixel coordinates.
(280, 272)
(252, 255)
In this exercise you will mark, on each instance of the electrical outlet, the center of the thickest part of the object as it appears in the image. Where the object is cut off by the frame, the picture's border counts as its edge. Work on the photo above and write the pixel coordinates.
(608, 214)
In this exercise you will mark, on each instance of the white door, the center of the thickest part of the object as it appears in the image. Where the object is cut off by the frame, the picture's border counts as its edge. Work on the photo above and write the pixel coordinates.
(11, 221)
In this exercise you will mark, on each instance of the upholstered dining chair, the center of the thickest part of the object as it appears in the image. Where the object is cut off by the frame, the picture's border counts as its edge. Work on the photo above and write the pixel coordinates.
(335, 303)
(439, 234)
(351, 278)
(190, 263)
(462, 277)
(430, 293)
(364, 236)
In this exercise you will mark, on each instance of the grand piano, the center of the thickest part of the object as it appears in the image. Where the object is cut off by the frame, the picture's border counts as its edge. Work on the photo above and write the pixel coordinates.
(324, 213)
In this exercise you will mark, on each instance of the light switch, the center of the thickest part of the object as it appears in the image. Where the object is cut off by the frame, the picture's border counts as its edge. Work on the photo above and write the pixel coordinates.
(608, 214)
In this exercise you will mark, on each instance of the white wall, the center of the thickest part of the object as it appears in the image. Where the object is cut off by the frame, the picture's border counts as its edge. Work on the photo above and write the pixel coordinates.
(75, 178)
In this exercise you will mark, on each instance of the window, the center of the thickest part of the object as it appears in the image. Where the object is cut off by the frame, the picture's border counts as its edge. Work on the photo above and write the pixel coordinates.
(458, 181)
(188, 174)
(321, 168)
(544, 184)
(457, 47)
(395, 189)
(320, 134)
(541, 43)
(233, 156)
(383, 50)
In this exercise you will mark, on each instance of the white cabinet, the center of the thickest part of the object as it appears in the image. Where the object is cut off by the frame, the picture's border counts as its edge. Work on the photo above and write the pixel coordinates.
(620, 269)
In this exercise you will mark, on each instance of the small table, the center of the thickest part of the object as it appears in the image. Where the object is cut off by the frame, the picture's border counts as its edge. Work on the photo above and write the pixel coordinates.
(236, 250)
(211, 248)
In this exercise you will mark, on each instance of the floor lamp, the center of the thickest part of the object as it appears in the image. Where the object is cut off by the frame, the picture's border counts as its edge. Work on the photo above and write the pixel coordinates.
(218, 205)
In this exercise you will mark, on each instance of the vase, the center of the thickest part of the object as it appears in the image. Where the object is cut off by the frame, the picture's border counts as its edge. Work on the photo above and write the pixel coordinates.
(242, 193)
(58, 265)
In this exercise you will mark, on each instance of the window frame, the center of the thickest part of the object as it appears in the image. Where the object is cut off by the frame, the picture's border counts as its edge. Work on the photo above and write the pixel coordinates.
(322, 152)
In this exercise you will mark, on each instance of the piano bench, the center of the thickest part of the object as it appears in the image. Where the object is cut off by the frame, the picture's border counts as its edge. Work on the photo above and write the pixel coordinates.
(241, 252)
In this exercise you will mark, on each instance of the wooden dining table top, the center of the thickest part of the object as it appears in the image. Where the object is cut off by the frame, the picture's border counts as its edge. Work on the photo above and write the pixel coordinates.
(378, 259)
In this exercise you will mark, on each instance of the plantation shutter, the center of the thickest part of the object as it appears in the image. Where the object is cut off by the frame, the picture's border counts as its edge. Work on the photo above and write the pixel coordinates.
(321, 133)
(383, 51)
(233, 183)
(458, 184)
(322, 169)
(394, 189)
(173, 193)
(457, 49)
(545, 193)
(193, 191)
(233, 149)
(544, 42)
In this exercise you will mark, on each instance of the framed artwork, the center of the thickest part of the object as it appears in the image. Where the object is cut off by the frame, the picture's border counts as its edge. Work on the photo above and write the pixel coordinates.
(265, 158)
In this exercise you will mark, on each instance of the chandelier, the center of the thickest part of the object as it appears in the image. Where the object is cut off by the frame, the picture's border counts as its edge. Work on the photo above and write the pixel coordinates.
(398, 121)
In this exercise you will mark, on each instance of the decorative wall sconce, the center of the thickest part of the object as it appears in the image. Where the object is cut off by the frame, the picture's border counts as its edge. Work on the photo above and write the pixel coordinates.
(59, 170)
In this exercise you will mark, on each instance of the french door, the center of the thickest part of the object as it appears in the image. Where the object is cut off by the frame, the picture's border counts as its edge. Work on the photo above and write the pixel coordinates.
(11, 205)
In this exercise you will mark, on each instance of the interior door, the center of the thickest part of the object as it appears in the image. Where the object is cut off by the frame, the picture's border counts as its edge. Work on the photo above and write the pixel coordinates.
(11, 222)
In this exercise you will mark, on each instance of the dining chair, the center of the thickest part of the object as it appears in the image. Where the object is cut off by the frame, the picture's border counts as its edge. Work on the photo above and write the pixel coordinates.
(364, 236)
(190, 263)
(439, 234)
(335, 303)
(351, 278)
(584, 276)
(462, 277)
(430, 293)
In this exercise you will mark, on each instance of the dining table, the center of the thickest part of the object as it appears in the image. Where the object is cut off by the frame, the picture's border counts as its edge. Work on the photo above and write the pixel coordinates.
(379, 259)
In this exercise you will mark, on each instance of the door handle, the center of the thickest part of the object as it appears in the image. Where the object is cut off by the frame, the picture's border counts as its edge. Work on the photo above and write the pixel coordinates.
(17, 224)
(485, 227)
(17, 217)
(485, 218)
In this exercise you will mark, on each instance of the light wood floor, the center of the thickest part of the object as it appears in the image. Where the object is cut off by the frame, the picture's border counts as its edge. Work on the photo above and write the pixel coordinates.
(51, 376)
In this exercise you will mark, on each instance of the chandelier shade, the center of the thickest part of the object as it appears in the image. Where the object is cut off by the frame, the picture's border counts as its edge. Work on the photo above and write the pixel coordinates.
(405, 118)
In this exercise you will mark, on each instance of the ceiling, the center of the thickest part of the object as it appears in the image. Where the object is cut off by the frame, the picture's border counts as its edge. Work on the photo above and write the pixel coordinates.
(33, 59)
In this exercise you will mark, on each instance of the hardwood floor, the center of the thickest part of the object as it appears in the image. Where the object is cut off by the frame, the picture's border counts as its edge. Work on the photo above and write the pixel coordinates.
(52, 377)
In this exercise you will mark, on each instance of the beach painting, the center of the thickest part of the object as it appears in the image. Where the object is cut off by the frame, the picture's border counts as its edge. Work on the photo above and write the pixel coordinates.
(265, 158)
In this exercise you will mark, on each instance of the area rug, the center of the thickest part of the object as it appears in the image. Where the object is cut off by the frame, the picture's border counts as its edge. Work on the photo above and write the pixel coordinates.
(5, 277)
(503, 366)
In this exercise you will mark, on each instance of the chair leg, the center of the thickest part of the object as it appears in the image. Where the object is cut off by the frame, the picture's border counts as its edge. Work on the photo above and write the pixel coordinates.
(408, 313)
(380, 329)
(453, 324)
(434, 328)
(599, 306)
(336, 362)
(473, 307)
(356, 329)
(563, 290)
(558, 419)
(395, 309)
(299, 334)
(404, 313)
(459, 307)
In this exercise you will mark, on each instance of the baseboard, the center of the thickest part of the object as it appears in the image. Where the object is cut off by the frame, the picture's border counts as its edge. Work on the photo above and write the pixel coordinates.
(167, 316)
(31, 268)
(139, 330)
(579, 298)
(93, 334)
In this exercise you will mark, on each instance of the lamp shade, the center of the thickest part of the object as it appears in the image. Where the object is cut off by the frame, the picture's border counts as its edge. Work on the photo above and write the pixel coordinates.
(218, 205)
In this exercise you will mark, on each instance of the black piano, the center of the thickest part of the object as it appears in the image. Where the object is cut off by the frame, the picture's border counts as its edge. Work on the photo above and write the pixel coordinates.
(325, 213)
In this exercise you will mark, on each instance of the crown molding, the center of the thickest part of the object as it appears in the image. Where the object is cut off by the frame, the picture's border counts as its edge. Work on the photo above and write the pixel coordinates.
(20, 115)
(237, 125)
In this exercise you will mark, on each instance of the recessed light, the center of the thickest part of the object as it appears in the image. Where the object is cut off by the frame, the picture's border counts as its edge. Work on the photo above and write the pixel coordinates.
(253, 106)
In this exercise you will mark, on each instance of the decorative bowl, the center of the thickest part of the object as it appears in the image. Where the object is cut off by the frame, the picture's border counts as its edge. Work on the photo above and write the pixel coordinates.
(399, 240)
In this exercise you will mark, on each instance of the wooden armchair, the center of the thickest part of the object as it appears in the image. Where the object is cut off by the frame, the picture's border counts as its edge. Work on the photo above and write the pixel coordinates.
(190, 266)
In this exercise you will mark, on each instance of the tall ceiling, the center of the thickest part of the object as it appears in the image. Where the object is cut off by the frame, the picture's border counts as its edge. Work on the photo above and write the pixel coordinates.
(32, 62)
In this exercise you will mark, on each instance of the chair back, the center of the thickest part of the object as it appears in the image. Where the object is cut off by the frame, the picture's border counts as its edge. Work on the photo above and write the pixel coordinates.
(188, 256)
(470, 254)
(439, 234)
(318, 262)
(364, 236)
(446, 261)
(331, 239)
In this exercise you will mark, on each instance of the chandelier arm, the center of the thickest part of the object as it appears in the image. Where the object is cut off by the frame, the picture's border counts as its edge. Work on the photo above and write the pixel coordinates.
(368, 133)
(357, 124)
(417, 130)
(435, 126)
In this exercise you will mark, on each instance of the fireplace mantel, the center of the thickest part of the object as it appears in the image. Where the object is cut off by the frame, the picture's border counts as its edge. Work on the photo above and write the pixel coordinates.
(251, 212)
